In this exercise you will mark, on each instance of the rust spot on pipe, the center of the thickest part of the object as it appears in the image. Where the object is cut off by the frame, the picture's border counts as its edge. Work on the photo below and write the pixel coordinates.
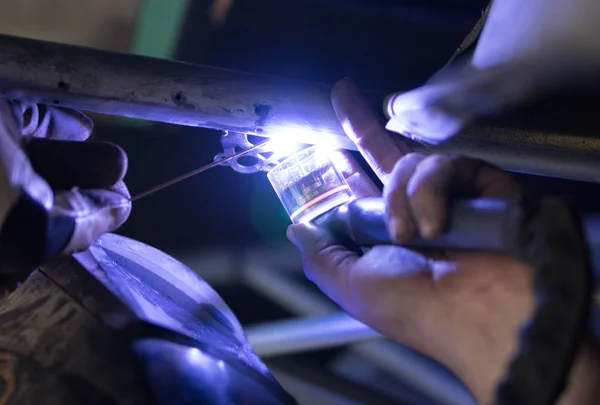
(180, 99)
(262, 111)
(62, 85)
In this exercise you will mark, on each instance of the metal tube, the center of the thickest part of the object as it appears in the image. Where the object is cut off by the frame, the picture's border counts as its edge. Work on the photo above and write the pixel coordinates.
(311, 385)
(185, 94)
(528, 157)
(167, 91)
(298, 335)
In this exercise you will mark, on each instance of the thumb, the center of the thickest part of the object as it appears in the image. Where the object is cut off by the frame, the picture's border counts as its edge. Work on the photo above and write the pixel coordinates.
(327, 263)
(32, 233)
(308, 238)
(94, 213)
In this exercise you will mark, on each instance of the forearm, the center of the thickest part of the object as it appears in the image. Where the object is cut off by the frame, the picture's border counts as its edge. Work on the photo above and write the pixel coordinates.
(583, 385)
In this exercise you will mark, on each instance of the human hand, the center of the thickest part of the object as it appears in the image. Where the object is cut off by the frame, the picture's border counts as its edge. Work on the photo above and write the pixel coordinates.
(462, 309)
(57, 192)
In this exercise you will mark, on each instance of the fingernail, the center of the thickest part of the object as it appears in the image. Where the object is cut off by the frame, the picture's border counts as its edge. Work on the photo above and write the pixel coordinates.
(395, 227)
(344, 83)
(303, 236)
(400, 228)
(291, 234)
(347, 91)
(427, 228)
(352, 91)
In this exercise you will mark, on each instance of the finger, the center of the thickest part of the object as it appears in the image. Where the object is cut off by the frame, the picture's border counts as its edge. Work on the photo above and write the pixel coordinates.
(326, 262)
(32, 234)
(490, 181)
(68, 164)
(441, 177)
(16, 174)
(9, 122)
(428, 193)
(401, 226)
(41, 121)
(121, 189)
(95, 212)
(358, 180)
(362, 125)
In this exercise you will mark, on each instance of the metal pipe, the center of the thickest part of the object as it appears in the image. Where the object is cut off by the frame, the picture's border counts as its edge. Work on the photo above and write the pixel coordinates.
(179, 93)
(307, 334)
(167, 91)
(529, 158)
(311, 385)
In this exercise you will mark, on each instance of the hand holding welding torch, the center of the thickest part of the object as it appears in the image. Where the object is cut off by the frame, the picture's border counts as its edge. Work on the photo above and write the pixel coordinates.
(463, 309)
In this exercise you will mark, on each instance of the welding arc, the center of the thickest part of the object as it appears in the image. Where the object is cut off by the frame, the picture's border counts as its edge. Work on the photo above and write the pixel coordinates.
(195, 172)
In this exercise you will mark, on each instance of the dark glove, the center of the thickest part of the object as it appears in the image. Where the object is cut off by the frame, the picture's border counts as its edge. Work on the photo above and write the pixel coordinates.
(57, 192)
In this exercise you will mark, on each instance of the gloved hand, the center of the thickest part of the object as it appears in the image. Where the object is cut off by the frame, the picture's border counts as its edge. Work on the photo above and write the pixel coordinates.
(527, 50)
(57, 192)
(462, 309)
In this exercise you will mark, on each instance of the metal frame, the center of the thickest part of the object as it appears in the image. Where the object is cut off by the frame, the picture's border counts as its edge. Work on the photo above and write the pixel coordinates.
(160, 90)
(305, 334)
(311, 386)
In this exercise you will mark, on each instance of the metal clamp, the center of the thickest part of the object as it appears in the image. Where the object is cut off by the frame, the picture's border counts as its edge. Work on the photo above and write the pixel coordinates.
(234, 142)
(262, 159)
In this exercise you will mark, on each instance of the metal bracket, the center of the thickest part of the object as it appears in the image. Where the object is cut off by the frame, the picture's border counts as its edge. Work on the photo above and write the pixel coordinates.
(260, 160)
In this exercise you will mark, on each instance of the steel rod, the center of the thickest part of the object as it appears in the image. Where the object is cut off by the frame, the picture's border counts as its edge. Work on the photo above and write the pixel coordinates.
(194, 172)
(307, 334)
